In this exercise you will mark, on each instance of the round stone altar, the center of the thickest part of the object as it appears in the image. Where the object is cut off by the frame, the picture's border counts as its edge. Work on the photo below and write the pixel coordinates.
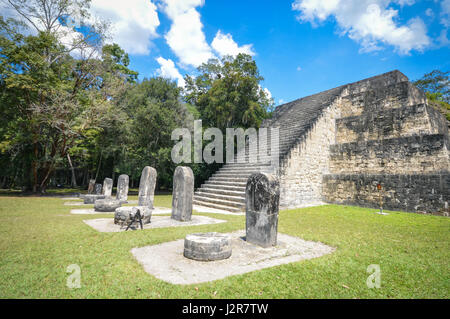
(106, 205)
(207, 246)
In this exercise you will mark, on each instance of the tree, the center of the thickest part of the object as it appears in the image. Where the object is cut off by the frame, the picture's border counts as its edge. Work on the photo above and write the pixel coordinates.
(436, 86)
(154, 110)
(436, 83)
(56, 84)
(227, 93)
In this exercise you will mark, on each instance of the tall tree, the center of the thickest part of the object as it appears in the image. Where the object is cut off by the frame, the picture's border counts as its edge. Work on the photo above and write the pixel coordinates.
(227, 93)
(154, 110)
(56, 83)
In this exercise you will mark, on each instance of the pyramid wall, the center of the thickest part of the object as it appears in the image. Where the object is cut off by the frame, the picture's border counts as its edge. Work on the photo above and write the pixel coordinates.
(376, 131)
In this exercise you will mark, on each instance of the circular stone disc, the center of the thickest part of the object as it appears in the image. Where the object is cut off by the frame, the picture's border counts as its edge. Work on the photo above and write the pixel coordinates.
(207, 246)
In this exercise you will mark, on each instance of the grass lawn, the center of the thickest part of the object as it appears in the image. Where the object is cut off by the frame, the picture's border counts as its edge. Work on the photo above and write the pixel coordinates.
(39, 238)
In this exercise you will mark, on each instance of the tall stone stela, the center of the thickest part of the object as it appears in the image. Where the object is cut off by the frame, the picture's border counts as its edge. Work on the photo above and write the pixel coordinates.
(107, 187)
(122, 188)
(183, 193)
(98, 189)
(262, 200)
(147, 186)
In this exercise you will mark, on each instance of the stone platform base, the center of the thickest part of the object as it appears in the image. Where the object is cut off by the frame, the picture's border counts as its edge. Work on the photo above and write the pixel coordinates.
(166, 261)
(91, 211)
(74, 203)
(106, 225)
(204, 209)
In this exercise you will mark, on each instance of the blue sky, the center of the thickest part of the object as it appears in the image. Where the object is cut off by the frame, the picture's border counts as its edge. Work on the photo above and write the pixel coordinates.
(300, 46)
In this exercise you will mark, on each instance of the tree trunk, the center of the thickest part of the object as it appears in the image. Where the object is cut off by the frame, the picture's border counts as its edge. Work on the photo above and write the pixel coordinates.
(99, 164)
(34, 168)
(113, 173)
(73, 182)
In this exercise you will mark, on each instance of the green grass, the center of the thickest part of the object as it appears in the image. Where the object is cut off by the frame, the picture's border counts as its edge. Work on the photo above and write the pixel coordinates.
(39, 238)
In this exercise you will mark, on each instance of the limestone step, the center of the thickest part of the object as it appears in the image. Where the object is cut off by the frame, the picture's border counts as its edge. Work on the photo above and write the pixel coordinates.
(229, 179)
(248, 165)
(211, 182)
(237, 199)
(257, 166)
(239, 171)
(217, 206)
(222, 191)
(222, 202)
(223, 187)
(232, 174)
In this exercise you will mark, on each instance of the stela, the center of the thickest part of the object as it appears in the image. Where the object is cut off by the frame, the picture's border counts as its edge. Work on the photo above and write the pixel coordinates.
(199, 309)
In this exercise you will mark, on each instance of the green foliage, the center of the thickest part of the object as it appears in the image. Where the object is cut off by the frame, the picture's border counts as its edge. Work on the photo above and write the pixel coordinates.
(49, 99)
(227, 93)
(435, 100)
(436, 85)
(154, 109)
(87, 114)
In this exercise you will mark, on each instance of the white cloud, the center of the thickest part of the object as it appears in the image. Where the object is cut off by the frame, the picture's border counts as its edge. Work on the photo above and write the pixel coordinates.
(369, 22)
(133, 22)
(185, 37)
(443, 39)
(445, 12)
(168, 70)
(429, 13)
(268, 93)
(405, 2)
(224, 44)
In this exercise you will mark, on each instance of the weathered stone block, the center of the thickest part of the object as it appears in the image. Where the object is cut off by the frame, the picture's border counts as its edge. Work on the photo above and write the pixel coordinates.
(207, 246)
(107, 187)
(183, 192)
(98, 189)
(106, 205)
(147, 185)
(408, 192)
(91, 198)
(262, 199)
(123, 215)
(122, 188)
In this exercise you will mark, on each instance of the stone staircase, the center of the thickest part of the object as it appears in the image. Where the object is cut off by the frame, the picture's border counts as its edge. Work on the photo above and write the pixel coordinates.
(225, 190)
